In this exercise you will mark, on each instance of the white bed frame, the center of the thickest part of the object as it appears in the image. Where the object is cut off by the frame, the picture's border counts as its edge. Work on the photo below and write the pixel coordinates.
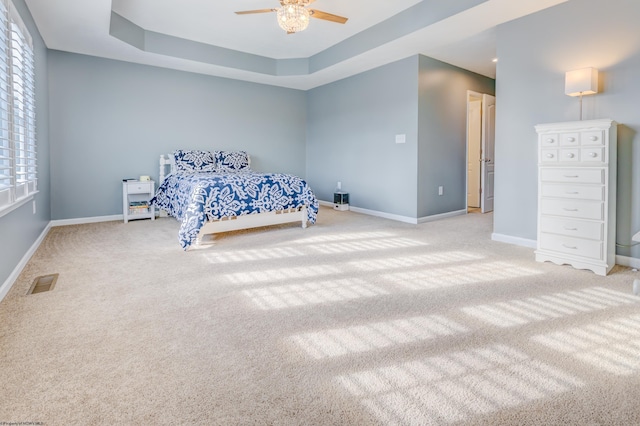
(237, 222)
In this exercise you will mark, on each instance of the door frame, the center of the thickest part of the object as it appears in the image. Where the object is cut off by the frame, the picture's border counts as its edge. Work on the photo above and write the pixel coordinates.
(472, 95)
(476, 96)
(488, 148)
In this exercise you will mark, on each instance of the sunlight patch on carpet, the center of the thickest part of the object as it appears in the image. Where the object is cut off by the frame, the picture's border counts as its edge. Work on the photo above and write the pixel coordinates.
(457, 386)
(313, 293)
(281, 274)
(612, 346)
(362, 338)
(388, 263)
(345, 236)
(518, 312)
(252, 255)
(366, 245)
(474, 273)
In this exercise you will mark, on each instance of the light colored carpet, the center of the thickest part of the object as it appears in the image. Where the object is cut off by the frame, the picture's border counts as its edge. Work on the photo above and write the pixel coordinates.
(354, 321)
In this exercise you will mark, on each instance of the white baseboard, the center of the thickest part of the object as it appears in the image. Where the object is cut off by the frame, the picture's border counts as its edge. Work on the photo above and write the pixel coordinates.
(397, 217)
(83, 220)
(441, 216)
(8, 283)
(11, 279)
(631, 262)
(376, 213)
(384, 215)
(524, 242)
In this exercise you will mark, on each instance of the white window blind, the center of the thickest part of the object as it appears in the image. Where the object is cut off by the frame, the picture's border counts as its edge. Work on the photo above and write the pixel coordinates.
(18, 166)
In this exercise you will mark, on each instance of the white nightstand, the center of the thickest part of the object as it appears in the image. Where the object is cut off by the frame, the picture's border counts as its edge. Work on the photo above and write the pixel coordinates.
(135, 200)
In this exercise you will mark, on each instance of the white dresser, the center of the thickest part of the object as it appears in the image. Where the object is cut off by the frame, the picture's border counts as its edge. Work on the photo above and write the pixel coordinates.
(577, 194)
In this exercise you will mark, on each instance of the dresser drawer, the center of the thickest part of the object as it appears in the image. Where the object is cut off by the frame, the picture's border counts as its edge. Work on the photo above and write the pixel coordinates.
(139, 188)
(548, 155)
(569, 155)
(584, 192)
(593, 137)
(581, 209)
(572, 227)
(574, 246)
(562, 175)
(549, 140)
(592, 155)
(569, 139)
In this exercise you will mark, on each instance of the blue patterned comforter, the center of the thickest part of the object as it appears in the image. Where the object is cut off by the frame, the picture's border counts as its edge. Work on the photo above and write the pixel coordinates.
(195, 198)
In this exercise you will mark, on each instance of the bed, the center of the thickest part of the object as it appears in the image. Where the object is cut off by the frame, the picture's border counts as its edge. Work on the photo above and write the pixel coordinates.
(217, 191)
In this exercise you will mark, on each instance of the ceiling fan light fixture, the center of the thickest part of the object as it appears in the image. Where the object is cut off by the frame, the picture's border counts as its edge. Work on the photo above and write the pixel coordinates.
(293, 18)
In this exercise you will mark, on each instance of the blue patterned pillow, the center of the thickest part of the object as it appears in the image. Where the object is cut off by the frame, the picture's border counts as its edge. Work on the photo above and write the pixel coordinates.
(194, 161)
(232, 161)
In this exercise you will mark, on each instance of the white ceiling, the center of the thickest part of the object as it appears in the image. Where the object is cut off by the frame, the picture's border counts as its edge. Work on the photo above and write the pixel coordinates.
(466, 39)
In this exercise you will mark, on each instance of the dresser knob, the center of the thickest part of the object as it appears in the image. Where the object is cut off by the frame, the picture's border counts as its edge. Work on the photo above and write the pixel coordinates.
(570, 155)
(549, 155)
(571, 139)
(593, 138)
(550, 140)
(593, 154)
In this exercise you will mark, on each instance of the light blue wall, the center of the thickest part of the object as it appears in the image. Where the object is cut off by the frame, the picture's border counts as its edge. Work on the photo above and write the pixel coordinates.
(21, 228)
(534, 54)
(351, 131)
(111, 120)
(442, 137)
(351, 137)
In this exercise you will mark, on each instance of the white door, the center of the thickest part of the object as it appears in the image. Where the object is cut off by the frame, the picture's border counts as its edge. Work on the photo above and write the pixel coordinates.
(488, 149)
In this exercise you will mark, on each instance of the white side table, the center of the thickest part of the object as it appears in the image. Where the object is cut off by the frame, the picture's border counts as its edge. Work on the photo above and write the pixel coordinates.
(135, 200)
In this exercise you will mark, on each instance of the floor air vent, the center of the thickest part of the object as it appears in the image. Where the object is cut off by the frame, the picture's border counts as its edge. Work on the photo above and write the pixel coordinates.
(43, 283)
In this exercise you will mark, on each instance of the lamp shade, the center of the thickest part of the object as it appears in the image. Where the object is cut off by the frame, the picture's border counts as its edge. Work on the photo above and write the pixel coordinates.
(581, 82)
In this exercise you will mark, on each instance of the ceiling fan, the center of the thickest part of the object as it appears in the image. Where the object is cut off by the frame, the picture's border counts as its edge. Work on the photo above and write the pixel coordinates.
(293, 15)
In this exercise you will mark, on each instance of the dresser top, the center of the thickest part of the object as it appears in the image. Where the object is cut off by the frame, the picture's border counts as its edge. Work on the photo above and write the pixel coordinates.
(602, 123)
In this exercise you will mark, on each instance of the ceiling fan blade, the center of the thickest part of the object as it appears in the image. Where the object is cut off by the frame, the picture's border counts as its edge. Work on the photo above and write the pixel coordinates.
(246, 12)
(327, 16)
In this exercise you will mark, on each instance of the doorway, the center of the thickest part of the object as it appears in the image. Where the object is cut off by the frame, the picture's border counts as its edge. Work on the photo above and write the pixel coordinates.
(480, 150)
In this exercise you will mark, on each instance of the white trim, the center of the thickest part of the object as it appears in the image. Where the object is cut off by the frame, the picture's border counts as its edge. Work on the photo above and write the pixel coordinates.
(376, 213)
(11, 279)
(441, 216)
(397, 217)
(83, 220)
(631, 262)
(6, 286)
(11, 207)
(524, 242)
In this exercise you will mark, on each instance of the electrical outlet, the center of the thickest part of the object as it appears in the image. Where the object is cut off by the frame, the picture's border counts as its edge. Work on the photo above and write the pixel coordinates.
(401, 138)
(440, 190)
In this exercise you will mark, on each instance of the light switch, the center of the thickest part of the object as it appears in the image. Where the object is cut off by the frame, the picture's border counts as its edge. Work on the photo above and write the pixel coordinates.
(401, 138)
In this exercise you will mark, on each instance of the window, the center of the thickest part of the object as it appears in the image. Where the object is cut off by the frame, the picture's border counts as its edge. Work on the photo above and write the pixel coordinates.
(18, 181)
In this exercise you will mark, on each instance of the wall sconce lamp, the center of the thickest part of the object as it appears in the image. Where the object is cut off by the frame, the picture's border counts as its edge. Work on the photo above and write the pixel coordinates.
(581, 82)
